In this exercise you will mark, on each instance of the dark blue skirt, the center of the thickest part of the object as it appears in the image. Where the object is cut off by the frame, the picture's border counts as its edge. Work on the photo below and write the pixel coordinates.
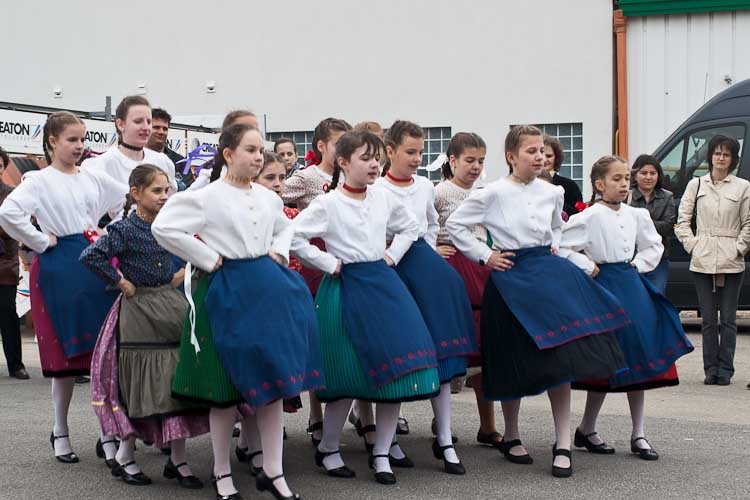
(554, 300)
(384, 323)
(441, 297)
(264, 329)
(655, 339)
(76, 299)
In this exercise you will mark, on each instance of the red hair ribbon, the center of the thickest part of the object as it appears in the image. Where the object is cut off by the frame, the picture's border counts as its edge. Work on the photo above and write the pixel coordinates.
(311, 158)
(581, 206)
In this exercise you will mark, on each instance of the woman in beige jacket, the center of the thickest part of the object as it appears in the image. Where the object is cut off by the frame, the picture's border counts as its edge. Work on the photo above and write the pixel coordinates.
(721, 204)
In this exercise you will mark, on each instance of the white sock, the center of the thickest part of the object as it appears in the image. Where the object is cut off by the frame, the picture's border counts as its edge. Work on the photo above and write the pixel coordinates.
(386, 422)
(179, 455)
(271, 427)
(108, 445)
(441, 407)
(221, 422)
(334, 419)
(126, 453)
(637, 402)
(62, 393)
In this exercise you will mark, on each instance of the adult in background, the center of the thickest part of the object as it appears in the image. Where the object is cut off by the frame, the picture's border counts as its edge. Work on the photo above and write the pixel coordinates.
(648, 192)
(9, 323)
(719, 205)
(287, 149)
(553, 160)
(160, 121)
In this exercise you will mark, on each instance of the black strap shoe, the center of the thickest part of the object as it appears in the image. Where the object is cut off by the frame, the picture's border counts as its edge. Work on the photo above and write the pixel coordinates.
(493, 439)
(505, 447)
(582, 441)
(109, 462)
(232, 496)
(254, 471)
(643, 453)
(402, 463)
(137, 479)
(561, 471)
(363, 431)
(172, 471)
(343, 472)
(450, 467)
(312, 429)
(265, 483)
(68, 458)
(386, 478)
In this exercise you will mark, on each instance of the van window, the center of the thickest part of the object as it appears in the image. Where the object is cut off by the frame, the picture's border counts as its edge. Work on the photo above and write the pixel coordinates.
(688, 157)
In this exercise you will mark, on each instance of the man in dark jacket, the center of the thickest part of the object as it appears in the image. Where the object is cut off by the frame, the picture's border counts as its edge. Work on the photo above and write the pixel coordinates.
(10, 325)
(160, 121)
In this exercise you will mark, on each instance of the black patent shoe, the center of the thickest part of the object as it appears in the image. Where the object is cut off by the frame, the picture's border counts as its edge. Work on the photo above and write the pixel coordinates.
(582, 440)
(450, 467)
(402, 426)
(342, 472)
(68, 458)
(362, 431)
(561, 471)
(233, 496)
(265, 483)
(137, 479)
(402, 463)
(643, 453)
(241, 453)
(433, 428)
(505, 447)
(109, 462)
(386, 478)
(254, 471)
(172, 471)
(312, 429)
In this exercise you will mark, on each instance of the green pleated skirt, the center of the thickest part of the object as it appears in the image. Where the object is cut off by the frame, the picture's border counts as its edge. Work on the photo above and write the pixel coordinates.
(345, 377)
(200, 377)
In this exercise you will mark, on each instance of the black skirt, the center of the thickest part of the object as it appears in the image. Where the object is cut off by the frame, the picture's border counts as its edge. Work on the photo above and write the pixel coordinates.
(513, 366)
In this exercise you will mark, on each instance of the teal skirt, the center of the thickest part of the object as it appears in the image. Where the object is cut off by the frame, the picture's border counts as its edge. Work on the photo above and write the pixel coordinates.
(345, 377)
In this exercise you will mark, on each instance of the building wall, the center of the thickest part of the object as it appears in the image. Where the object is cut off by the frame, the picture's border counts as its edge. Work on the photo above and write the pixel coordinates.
(478, 66)
(675, 64)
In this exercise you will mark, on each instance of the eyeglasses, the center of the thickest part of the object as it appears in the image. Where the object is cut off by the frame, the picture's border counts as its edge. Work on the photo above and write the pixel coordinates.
(722, 154)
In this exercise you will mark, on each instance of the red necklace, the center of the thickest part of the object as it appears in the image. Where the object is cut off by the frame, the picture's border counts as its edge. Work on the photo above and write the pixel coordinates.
(397, 179)
(347, 187)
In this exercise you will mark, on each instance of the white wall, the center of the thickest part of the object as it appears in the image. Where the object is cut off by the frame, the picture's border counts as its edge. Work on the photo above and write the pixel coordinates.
(477, 66)
(675, 64)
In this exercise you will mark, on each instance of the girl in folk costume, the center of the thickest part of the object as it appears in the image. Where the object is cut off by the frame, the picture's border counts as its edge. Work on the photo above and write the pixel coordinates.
(242, 116)
(365, 354)
(619, 242)
(463, 166)
(272, 176)
(68, 302)
(137, 350)
(300, 189)
(133, 123)
(436, 287)
(254, 336)
(526, 349)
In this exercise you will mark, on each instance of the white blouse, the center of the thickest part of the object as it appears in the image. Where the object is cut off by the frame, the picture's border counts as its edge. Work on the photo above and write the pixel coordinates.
(232, 222)
(353, 230)
(419, 197)
(516, 215)
(607, 236)
(63, 204)
(119, 166)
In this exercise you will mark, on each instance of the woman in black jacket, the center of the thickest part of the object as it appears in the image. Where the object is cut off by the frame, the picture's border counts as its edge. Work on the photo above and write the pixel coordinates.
(553, 160)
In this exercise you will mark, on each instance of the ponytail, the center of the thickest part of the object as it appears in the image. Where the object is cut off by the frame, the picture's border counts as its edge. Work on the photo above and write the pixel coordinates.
(128, 203)
(335, 177)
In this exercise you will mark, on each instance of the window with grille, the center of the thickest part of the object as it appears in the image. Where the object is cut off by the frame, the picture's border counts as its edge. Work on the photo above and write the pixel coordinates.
(303, 140)
(436, 141)
(570, 136)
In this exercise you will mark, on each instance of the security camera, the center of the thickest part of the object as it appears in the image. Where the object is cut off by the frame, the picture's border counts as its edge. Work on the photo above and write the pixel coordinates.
(57, 92)
(210, 87)
(728, 79)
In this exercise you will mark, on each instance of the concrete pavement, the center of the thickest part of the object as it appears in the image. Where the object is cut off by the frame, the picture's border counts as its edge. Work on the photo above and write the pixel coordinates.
(702, 434)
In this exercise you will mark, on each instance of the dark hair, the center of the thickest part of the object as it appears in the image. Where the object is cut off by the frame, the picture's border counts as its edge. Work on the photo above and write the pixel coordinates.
(456, 147)
(161, 114)
(283, 140)
(554, 143)
(121, 112)
(232, 116)
(641, 162)
(514, 138)
(348, 144)
(396, 135)
(141, 177)
(230, 138)
(722, 141)
(324, 130)
(268, 158)
(599, 171)
(53, 127)
(4, 158)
